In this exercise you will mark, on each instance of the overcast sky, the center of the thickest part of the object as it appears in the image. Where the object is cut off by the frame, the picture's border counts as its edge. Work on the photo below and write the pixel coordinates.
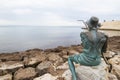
(56, 12)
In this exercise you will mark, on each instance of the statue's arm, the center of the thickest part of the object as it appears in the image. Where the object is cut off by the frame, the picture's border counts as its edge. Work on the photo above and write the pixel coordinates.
(104, 48)
(82, 37)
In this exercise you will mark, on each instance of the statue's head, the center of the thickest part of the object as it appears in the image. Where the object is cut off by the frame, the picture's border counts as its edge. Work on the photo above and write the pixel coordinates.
(93, 23)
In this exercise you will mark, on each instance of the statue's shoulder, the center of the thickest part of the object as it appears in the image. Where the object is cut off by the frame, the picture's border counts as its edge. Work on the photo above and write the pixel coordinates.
(85, 34)
(82, 33)
(102, 34)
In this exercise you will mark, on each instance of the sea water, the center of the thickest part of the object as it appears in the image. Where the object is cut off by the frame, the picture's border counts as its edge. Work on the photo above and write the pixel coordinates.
(20, 38)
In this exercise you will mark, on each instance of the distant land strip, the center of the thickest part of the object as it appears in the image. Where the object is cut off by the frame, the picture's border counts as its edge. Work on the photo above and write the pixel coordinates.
(106, 29)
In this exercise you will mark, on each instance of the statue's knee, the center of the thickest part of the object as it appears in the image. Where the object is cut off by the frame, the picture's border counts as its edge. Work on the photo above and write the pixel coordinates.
(70, 58)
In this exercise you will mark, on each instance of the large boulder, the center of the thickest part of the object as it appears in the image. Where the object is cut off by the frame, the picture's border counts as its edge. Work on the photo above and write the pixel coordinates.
(6, 77)
(10, 66)
(89, 73)
(25, 74)
(115, 61)
(34, 59)
(43, 67)
(55, 58)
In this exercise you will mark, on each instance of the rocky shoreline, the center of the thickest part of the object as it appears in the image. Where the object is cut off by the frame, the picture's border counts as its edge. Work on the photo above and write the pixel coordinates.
(51, 64)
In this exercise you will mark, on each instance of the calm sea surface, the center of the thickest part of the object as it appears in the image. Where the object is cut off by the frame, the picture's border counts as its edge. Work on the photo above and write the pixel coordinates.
(20, 38)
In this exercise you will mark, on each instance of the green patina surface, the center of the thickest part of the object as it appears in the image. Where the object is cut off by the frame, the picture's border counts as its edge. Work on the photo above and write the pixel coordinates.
(93, 47)
(94, 44)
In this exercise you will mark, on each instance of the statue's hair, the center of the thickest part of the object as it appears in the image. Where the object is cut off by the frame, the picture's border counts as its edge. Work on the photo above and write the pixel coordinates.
(92, 23)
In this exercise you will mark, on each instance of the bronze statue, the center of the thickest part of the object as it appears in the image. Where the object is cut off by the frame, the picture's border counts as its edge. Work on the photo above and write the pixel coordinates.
(94, 44)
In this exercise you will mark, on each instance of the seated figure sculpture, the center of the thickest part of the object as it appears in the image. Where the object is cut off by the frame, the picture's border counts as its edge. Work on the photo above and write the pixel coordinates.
(94, 44)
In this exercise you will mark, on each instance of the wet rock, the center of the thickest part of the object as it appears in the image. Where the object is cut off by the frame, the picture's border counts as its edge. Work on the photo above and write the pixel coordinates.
(46, 76)
(25, 74)
(89, 73)
(6, 77)
(43, 67)
(10, 66)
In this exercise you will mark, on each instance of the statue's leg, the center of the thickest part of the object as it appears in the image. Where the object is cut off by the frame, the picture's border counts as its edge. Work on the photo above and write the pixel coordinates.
(72, 67)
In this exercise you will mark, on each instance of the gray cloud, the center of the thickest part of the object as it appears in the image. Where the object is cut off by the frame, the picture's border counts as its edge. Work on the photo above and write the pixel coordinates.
(55, 12)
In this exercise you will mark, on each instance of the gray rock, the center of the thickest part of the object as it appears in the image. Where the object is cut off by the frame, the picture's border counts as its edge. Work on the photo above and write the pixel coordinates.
(89, 73)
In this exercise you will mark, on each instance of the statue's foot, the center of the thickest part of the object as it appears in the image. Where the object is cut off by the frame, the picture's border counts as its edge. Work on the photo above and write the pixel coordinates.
(75, 78)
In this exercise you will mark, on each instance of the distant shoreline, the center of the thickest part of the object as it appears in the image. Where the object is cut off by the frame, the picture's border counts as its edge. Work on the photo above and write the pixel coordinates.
(106, 29)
